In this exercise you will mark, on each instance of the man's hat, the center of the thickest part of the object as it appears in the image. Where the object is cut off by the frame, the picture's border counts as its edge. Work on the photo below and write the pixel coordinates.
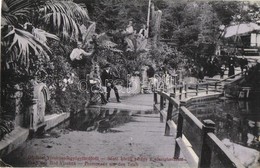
(107, 65)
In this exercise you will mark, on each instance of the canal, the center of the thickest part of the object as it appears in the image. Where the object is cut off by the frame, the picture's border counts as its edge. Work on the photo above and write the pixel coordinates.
(236, 120)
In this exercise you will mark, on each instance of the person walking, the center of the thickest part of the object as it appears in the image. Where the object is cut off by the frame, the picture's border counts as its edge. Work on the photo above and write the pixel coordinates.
(108, 80)
(201, 74)
(243, 62)
(231, 67)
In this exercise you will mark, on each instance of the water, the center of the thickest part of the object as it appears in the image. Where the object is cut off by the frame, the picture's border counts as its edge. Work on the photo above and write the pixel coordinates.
(236, 120)
(92, 133)
(105, 121)
(99, 119)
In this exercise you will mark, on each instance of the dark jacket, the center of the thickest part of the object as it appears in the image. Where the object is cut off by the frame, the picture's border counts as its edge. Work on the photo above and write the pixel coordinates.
(107, 76)
(150, 72)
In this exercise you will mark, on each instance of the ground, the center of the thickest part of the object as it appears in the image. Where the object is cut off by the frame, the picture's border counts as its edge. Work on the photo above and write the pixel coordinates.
(140, 142)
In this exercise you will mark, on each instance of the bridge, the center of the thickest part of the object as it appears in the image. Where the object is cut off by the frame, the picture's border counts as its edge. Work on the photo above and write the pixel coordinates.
(184, 150)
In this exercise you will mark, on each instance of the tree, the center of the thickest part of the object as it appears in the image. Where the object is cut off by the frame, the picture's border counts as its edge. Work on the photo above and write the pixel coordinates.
(25, 50)
(22, 43)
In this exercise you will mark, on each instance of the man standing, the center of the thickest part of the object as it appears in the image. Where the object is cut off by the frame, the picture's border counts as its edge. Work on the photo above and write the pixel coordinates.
(144, 31)
(231, 67)
(81, 60)
(243, 64)
(78, 53)
(108, 80)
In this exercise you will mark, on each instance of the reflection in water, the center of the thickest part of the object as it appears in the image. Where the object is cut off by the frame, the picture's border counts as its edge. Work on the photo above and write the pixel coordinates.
(238, 121)
(101, 120)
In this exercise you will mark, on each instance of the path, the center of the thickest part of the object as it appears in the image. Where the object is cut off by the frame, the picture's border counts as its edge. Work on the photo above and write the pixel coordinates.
(141, 102)
(138, 143)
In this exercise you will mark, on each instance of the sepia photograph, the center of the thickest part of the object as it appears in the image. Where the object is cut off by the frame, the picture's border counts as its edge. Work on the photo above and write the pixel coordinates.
(130, 83)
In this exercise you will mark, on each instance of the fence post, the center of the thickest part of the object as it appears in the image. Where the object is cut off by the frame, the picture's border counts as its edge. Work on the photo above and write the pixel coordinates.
(185, 89)
(180, 92)
(207, 88)
(206, 152)
(197, 89)
(155, 98)
(178, 135)
(216, 86)
(161, 108)
(169, 116)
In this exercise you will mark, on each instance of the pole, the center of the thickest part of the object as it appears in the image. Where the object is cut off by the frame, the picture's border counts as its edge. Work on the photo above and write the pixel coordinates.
(148, 16)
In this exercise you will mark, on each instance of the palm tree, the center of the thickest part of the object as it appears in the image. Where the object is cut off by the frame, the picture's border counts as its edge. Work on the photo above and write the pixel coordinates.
(22, 43)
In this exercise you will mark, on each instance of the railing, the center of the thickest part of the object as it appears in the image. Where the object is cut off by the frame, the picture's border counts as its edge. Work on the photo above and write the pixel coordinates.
(196, 140)
(185, 89)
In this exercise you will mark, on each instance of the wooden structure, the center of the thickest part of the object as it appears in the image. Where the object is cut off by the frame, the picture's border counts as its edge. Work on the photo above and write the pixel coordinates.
(195, 139)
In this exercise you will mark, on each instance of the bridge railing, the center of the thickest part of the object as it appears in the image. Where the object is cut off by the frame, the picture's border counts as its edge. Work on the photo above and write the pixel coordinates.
(183, 90)
(195, 139)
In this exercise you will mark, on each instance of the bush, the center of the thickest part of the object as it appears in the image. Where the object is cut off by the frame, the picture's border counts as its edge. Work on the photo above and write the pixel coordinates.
(70, 99)
(6, 123)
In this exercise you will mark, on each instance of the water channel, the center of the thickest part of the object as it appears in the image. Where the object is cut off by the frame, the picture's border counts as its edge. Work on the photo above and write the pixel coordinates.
(236, 120)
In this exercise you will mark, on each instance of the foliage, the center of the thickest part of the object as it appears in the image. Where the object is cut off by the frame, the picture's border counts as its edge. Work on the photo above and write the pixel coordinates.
(21, 47)
(62, 80)
(63, 17)
(6, 126)
(26, 54)
(21, 43)
(14, 10)
(6, 123)
(29, 49)
(114, 15)
(70, 99)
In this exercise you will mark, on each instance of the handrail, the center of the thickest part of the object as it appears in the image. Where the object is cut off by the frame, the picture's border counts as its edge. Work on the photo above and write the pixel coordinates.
(183, 88)
(205, 142)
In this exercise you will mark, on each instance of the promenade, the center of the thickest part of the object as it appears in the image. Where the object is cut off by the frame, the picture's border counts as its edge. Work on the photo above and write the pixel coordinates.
(140, 142)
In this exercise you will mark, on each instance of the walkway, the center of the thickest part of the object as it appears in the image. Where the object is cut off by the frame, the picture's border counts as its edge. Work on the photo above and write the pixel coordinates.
(140, 142)
(141, 102)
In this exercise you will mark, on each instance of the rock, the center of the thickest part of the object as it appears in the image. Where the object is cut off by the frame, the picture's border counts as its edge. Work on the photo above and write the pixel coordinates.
(49, 146)
(248, 157)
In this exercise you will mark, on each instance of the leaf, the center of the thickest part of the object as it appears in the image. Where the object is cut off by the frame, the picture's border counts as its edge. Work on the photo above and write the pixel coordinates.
(71, 9)
(62, 20)
(108, 44)
(141, 44)
(87, 35)
(130, 44)
(15, 9)
(22, 43)
(42, 35)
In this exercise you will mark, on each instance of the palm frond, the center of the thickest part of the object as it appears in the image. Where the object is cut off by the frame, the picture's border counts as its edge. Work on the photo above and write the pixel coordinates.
(61, 21)
(73, 10)
(15, 9)
(22, 45)
(64, 16)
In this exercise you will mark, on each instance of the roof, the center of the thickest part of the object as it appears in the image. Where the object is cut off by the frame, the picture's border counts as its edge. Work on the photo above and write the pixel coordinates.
(240, 29)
